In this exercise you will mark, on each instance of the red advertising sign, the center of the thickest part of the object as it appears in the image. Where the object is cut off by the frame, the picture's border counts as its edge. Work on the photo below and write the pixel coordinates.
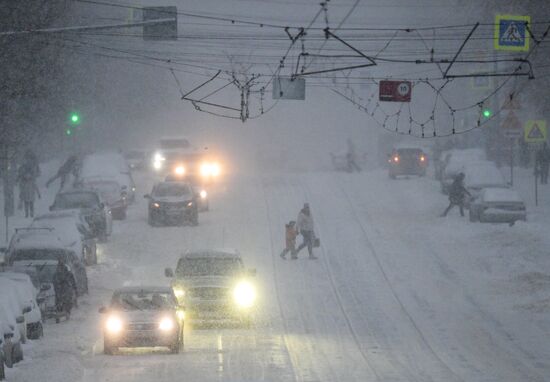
(395, 91)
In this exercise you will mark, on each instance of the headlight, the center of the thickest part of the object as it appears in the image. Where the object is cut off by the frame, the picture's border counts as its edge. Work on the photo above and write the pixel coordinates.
(203, 194)
(190, 204)
(244, 294)
(166, 324)
(205, 169)
(179, 293)
(156, 205)
(158, 157)
(113, 324)
(157, 165)
(180, 170)
(215, 169)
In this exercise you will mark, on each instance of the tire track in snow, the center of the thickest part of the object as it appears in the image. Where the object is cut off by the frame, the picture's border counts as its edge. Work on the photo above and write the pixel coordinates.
(276, 283)
(406, 313)
(345, 314)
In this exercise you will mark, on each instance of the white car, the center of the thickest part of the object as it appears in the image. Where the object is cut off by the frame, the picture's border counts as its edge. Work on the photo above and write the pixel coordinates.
(45, 245)
(111, 165)
(11, 337)
(454, 162)
(26, 292)
(67, 230)
(482, 175)
(498, 205)
(14, 306)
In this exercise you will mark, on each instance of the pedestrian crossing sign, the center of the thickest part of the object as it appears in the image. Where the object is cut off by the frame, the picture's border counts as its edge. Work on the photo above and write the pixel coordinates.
(535, 131)
(511, 33)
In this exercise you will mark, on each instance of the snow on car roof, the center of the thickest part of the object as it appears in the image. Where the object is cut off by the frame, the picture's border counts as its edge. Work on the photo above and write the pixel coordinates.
(497, 194)
(218, 253)
(137, 289)
(36, 239)
(485, 173)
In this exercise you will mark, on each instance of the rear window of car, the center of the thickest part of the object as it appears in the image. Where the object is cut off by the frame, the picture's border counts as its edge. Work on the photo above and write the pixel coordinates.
(37, 254)
(76, 200)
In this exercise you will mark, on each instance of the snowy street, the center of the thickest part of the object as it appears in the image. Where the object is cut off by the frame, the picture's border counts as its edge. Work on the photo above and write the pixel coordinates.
(407, 296)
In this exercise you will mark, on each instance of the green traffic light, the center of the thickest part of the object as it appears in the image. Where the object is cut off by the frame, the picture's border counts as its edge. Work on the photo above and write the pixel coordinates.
(487, 113)
(74, 118)
(68, 132)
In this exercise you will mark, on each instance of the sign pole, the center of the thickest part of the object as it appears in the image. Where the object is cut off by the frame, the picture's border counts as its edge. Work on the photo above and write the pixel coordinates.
(536, 187)
(511, 161)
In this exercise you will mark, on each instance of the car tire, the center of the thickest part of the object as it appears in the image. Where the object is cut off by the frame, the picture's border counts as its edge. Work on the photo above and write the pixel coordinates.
(151, 221)
(9, 353)
(36, 331)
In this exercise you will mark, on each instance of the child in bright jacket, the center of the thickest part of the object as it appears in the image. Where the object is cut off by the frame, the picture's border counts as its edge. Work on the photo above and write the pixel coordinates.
(290, 239)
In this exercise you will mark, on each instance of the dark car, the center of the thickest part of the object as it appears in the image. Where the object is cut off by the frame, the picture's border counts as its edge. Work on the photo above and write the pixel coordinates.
(143, 316)
(407, 161)
(172, 202)
(114, 195)
(92, 206)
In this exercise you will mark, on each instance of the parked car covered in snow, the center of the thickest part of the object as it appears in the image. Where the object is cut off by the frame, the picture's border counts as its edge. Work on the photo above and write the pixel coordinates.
(12, 351)
(27, 295)
(455, 162)
(66, 229)
(137, 159)
(482, 175)
(44, 246)
(15, 305)
(109, 165)
(114, 195)
(143, 316)
(498, 205)
(93, 208)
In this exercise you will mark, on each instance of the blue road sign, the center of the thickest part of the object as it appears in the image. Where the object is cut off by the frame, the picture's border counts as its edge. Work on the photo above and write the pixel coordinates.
(511, 32)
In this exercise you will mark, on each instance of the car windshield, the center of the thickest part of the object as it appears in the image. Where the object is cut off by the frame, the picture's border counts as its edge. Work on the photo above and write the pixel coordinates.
(409, 153)
(143, 300)
(38, 254)
(208, 266)
(76, 200)
(171, 189)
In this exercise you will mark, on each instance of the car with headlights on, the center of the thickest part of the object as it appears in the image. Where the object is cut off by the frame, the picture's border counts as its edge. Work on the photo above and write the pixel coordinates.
(143, 316)
(407, 161)
(172, 203)
(214, 286)
(498, 205)
(200, 192)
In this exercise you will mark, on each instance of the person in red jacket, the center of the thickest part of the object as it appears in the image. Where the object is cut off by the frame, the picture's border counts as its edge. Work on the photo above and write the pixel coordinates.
(290, 239)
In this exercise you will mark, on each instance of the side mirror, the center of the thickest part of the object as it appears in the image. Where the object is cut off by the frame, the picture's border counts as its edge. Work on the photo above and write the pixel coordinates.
(252, 272)
(27, 309)
(101, 205)
(45, 287)
(168, 272)
(102, 310)
(20, 320)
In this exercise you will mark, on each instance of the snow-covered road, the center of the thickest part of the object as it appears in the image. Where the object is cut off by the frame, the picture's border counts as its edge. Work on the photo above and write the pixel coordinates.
(398, 294)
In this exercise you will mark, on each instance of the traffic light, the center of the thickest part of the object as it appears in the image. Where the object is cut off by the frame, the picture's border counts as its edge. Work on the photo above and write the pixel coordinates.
(487, 113)
(74, 118)
(68, 132)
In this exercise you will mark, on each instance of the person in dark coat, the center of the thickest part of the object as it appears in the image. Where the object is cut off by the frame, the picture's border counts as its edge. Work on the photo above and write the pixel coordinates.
(70, 166)
(290, 239)
(457, 195)
(305, 225)
(27, 192)
(65, 289)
